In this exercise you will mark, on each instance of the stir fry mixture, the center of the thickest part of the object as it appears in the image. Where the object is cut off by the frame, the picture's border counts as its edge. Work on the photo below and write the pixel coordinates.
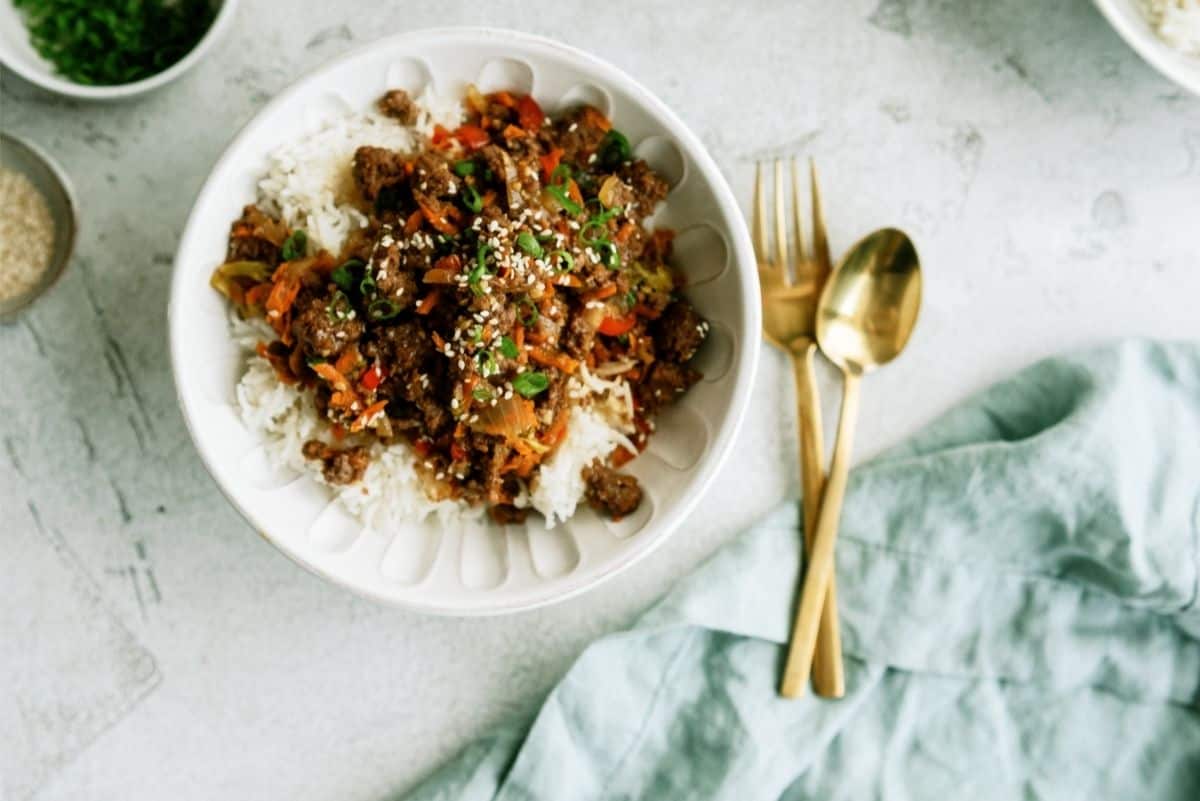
(503, 265)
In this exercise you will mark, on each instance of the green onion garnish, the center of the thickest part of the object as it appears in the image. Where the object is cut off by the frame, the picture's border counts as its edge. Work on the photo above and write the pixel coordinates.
(530, 384)
(480, 268)
(561, 173)
(564, 199)
(487, 363)
(382, 309)
(596, 225)
(509, 348)
(472, 199)
(343, 276)
(476, 334)
(339, 307)
(367, 285)
(295, 246)
(527, 243)
(562, 261)
(481, 393)
(532, 317)
(464, 168)
(614, 149)
(610, 255)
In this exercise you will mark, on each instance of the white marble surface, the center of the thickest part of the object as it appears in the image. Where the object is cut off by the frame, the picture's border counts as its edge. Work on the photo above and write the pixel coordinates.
(1050, 179)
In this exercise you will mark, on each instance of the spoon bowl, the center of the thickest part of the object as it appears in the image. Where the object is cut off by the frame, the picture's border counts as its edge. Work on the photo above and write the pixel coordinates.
(869, 307)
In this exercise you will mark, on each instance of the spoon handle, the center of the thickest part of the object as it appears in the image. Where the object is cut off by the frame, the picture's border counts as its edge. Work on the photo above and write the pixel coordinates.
(818, 573)
(827, 677)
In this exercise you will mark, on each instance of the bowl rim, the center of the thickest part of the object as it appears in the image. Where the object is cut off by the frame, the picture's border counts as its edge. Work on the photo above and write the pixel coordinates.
(746, 347)
(55, 271)
(52, 82)
(1155, 52)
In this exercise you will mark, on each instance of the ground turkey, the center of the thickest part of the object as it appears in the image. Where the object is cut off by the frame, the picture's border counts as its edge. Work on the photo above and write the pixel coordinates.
(608, 491)
(338, 465)
(376, 168)
(398, 104)
(665, 382)
(679, 332)
(325, 328)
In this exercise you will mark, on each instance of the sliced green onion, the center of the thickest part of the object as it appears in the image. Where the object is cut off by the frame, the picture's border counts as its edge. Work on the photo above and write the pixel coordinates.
(610, 255)
(477, 272)
(593, 240)
(464, 168)
(532, 317)
(481, 393)
(614, 149)
(564, 199)
(295, 246)
(340, 307)
(382, 309)
(527, 243)
(561, 173)
(509, 348)
(472, 199)
(476, 334)
(563, 258)
(343, 276)
(367, 285)
(530, 384)
(487, 363)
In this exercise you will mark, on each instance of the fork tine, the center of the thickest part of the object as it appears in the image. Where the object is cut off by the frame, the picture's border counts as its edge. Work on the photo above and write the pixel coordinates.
(781, 243)
(759, 214)
(797, 219)
(820, 237)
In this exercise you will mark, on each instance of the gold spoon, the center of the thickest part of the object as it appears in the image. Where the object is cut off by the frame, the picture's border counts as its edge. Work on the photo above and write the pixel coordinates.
(865, 316)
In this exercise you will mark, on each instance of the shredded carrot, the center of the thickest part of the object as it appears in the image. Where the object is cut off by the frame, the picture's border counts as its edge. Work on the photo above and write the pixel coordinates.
(438, 341)
(361, 421)
(554, 359)
(282, 295)
(242, 230)
(349, 359)
(339, 431)
(437, 217)
(504, 98)
(620, 457)
(642, 310)
(257, 295)
(332, 375)
(606, 291)
(624, 232)
(489, 198)
(429, 302)
(519, 336)
(413, 223)
(593, 118)
(513, 132)
(557, 430)
(550, 161)
(573, 191)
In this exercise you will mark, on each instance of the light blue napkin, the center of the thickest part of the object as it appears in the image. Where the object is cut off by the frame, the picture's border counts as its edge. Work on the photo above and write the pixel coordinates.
(1018, 601)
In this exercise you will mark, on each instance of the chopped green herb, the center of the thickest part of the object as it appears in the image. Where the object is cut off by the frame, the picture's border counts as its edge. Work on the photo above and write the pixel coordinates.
(564, 199)
(610, 255)
(561, 173)
(614, 149)
(630, 299)
(475, 277)
(108, 43)
(588, 237)
(339, 307)
(509, 348)
(343, 276)
(527, 318)
(367, 285)
(464, 168)
(472, 199)
(527, 243)
(382, 309)
(530, 384)
(481, 393)
(487, 363)
(295, 246)
(562, 261)
(476, 334)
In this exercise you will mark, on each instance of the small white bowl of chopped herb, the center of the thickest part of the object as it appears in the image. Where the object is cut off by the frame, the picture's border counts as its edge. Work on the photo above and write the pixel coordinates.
(108, 49)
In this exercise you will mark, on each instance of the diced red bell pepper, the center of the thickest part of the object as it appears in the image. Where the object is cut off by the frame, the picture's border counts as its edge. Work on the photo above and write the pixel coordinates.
(372, 378)
(457, 452)
(440, 135)
(550, 162)
(472, 136)
(530, 114)
(616, 326)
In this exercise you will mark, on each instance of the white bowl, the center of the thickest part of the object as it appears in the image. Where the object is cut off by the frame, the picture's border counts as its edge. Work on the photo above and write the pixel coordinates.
(1127, 18)
(18, 55)
(483, 569)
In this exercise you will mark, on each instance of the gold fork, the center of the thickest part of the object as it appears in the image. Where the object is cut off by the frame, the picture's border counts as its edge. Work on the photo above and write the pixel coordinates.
(789, 303)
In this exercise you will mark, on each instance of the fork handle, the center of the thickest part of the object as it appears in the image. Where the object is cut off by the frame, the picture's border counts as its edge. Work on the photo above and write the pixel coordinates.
(818, 571)
(827, 674)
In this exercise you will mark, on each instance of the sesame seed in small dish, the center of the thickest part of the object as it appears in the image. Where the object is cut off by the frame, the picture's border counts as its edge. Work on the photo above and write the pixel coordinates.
(37, 224)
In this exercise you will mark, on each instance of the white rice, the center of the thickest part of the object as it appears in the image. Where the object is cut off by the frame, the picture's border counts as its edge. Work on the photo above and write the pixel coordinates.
(306, 185)
(308, 180)
(1177, 22)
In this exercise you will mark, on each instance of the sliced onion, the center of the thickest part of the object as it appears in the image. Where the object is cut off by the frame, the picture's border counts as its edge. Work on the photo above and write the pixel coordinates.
(510, 418)
(475, 100)
(615, 368)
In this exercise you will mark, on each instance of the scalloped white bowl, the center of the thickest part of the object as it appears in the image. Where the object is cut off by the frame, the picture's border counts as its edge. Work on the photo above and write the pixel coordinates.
(1126, 18)
(481, 569)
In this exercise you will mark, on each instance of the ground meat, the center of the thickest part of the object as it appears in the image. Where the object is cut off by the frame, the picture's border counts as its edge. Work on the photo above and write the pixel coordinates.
(608, 491)
(398, 104)
(403, 347)
(506, 515)
(577, 137)
(432, 176)
(679, 332)
(649, 189)
(665, 382)
(251, 248)
(338, 465)
(376, 168)
(248, 239)
(397, 285)
(325, 329)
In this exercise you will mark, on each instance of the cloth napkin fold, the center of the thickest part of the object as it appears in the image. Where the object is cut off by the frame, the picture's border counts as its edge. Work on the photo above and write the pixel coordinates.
(1018, 595)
